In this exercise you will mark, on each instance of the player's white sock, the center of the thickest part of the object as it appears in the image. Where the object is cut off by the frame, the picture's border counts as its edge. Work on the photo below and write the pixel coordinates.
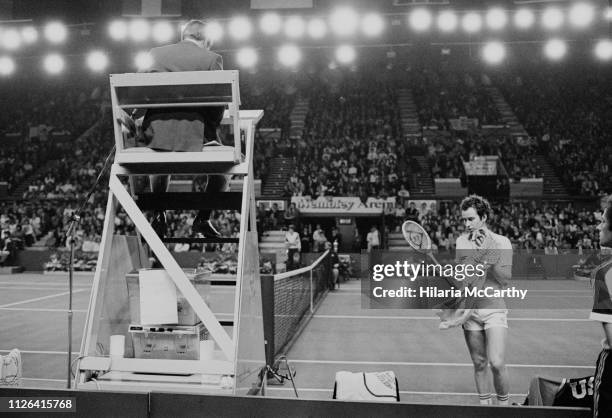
(485, 398)
(503, 399)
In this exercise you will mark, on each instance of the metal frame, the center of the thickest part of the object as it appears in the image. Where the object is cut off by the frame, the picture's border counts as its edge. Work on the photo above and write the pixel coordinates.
(213, 160)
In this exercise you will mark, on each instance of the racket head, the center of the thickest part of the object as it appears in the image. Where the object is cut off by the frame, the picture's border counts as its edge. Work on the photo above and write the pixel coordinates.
(416, 236)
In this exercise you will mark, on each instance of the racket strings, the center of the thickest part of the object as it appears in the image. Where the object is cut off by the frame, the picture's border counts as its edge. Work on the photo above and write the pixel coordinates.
(416, 236)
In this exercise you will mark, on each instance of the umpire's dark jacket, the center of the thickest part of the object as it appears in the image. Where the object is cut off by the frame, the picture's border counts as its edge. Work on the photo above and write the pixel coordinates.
(182, 129)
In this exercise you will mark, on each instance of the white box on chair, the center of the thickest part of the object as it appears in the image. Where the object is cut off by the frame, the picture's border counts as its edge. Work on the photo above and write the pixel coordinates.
(186, 315)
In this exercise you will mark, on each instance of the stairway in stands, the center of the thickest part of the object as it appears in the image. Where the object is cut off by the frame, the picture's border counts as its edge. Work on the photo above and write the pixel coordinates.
(408, 113)
(553, 187)
(397, 241)
(298, 117)
(422, 185)
(507, 114)
(280, 171)
(272, 246)
(17, 193)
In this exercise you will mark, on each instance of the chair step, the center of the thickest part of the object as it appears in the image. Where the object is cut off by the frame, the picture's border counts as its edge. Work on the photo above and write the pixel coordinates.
(215, 160)
(190, 200)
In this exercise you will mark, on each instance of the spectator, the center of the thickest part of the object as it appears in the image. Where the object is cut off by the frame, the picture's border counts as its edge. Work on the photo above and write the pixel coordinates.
(373, 239)
(319, 239)
(291, 215)
(294, 247)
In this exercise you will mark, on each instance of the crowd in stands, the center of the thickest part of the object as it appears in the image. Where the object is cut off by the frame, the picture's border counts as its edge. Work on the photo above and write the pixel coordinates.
(32, 117)
(447, 152)
(352, 145)
(530, 225)
(569, 112)
(443, 95)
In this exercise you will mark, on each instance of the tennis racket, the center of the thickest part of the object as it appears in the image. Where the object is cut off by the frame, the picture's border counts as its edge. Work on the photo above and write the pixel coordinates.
(418, 238)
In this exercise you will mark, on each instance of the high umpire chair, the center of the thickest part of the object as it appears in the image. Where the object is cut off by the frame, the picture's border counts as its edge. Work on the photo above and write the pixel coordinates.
(238, 357)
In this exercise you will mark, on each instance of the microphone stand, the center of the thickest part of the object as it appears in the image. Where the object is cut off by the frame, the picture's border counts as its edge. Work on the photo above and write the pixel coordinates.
(75, 219)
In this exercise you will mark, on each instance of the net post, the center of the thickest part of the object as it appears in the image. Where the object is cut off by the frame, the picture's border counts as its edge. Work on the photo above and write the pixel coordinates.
(311, 294)
(267, 296)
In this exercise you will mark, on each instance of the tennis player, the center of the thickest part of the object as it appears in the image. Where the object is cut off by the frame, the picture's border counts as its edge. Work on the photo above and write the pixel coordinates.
(602, 312)
(486, 327)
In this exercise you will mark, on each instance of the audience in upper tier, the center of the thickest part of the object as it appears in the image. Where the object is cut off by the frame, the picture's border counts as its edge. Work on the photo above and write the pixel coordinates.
(353, 143)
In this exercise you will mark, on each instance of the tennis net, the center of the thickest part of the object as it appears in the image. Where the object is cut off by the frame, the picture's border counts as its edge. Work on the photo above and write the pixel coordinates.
(288, 303)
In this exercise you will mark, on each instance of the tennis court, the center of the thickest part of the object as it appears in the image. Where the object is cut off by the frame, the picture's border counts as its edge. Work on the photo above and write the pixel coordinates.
(432, 366)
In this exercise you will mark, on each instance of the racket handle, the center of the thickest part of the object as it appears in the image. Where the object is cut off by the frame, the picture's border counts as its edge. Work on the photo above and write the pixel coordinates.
(432, 257)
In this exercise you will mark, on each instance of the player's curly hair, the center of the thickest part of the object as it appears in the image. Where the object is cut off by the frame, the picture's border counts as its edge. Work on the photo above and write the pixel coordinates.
(479, 203)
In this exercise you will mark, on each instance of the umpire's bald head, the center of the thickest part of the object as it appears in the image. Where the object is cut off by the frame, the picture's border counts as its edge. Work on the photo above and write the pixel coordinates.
(196, 31)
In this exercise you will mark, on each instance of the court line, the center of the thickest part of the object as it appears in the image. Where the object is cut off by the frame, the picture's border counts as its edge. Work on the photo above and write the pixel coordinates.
(44, 283)
(406, 392)
(43, 380)
(43, 310)
(41, 298)
(437, 319)
(40, 288)
(411, 363)
(40, 352)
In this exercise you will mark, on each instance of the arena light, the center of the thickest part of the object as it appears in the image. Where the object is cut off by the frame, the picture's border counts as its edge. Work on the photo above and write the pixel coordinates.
(372, 24)
(581, 15)
(295, 27)
(447, 21)
(289, 55)
(494, 52)
(420, 20)
(246, 57)
(603, 49)
(139, 30)
(496, 19)
(608, 13)
(118, 30)
(471, 22)
(344, 21)
(552, 18)
(213, 31)
(29, 34)
(555, 49)
(317, 28)
(11, 39)
(7, 66)
(143, 60)
(240, 28)
(56, 32)
(345, 54)
(97, 61)
(524, 18)
(54, 63)
(163, 31)
(270, 23)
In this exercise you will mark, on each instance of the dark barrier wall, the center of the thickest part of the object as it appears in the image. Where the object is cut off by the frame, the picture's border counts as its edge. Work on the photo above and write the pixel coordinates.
(163, 405)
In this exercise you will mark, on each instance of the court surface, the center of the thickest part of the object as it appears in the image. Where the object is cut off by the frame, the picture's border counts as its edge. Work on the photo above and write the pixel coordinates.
(432, 366)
